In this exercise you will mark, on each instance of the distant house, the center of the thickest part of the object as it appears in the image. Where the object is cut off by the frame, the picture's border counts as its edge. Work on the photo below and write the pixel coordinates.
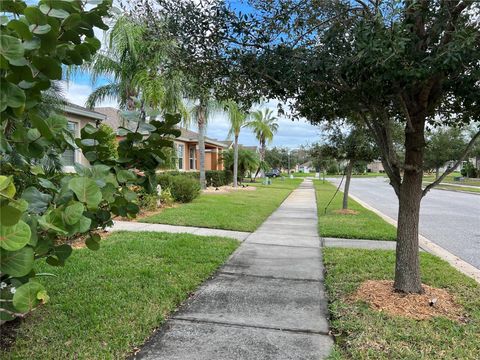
(305, 167)
(375, 166)
(78, 117)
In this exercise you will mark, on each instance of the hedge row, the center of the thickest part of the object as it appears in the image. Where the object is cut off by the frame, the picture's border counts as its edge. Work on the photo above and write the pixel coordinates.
(213, 178)
(183, 188)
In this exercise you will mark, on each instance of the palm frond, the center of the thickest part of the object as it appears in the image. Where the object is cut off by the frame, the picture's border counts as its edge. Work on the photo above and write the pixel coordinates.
(109, 91)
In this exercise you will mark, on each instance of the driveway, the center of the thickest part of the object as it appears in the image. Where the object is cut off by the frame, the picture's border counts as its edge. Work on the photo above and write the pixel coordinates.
(449, 219)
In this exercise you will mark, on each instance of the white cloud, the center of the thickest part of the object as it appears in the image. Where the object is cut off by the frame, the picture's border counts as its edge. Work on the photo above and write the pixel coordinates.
(290, 133)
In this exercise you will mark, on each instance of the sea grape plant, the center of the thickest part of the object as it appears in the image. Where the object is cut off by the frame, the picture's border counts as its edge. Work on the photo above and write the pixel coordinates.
(40, 209)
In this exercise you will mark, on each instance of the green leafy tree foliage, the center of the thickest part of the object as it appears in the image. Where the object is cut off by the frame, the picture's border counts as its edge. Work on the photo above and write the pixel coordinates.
(110, 141)
(443, 145)
(39, 214)
(264, 125)
(384, 62)
(354, 146)
(248, 161)
(278, 158)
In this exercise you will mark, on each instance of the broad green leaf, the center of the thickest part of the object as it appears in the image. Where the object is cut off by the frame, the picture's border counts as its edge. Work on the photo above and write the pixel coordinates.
(37, 201)
(53, 221)
(48, 66)
(27, 297)
(57, 123)
(93, 242)
(7, 188)
(34, 15)
(20, 28)
(125, 176)
(47, 184)
(86, 190)
(17, 263)
(11, 48)
(37, 170)
(73, 213)
(40, 29)
(57, 13)
(63, 251)
(11, 95)
(15, 237)
(9, 215)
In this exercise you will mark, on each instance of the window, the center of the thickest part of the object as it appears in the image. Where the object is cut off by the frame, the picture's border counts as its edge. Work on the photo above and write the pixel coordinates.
(180, 148)
(192, 157)
(68, 157)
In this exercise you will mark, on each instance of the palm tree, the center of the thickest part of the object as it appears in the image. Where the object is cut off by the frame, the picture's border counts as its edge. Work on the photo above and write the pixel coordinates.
(132, 62)
(201, 112)
(238, 119)
(264, 126)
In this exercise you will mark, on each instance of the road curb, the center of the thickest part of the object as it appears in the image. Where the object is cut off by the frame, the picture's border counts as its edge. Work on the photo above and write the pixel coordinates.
(430, 246)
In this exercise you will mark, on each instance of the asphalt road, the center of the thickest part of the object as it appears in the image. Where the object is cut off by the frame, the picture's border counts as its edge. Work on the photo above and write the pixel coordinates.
(449, 219)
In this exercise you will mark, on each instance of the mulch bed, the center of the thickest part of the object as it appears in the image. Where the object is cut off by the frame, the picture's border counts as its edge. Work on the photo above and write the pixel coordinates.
(346, 212)
(434, 302)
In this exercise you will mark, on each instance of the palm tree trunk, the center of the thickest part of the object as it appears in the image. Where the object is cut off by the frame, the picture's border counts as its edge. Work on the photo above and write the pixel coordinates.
(201, 143)
(262, 155)
(235, 162)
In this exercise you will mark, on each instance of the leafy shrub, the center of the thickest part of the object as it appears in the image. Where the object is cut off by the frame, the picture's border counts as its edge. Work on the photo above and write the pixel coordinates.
(47, 205)
(332, 169)
(148, 201)
(218, 178)
(110, 142)
(183, 188)
(166, 197)
(469, 170)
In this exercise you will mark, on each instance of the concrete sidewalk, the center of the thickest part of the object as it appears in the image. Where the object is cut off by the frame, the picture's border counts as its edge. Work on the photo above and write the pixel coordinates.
(139, 226)
(266, 302)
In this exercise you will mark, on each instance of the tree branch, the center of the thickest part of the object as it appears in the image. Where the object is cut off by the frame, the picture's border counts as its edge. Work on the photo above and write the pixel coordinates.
(450, 170)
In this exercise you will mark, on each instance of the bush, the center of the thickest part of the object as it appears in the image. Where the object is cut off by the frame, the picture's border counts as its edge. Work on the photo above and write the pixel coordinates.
(217, 178)
(469, 170)
(332, 169)
(148, 201)
(183, 188)
(166, 198)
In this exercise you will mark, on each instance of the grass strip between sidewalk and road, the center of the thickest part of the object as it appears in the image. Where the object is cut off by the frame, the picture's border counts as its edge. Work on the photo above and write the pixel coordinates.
(365, 224)
(361, 332)
(240, 210)
(104, 303)
(465, 189)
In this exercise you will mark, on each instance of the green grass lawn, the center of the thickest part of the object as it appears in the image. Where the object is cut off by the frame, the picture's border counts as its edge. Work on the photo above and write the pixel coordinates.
(105, 302)
(364, 225)
(237, 210)
(362, 333)
(302, 175)
(469, 189)
(449, 179)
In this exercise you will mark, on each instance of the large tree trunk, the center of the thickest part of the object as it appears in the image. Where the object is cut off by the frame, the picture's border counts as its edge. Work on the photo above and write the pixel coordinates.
(407, 267)
(201, 144)
(348, 174)
(235, 162)
(437, 173)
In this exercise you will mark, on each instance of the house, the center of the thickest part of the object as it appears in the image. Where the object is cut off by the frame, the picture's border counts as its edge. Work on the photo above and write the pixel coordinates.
(375, 166)
(188, 154)
(78, 117)
(186, 145)
(305, 167)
